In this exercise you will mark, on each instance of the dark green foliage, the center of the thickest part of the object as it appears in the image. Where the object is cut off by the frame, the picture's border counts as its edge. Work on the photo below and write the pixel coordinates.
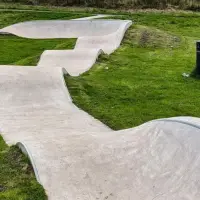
(187, 4)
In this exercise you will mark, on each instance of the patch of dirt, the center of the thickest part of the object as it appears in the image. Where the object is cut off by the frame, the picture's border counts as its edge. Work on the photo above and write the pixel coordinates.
(145, 37)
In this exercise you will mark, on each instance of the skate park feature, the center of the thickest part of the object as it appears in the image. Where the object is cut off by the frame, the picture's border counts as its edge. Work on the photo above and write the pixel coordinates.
(74, 155)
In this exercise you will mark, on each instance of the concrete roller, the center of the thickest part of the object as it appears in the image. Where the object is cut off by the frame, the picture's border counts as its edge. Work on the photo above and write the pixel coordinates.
(75, 61)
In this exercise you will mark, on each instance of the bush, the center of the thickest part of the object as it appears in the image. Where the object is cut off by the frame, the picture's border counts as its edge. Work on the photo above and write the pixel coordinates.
(160, 4)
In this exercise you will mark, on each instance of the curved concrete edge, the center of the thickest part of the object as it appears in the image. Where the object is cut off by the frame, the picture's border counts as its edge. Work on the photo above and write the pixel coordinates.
(64, 72)
(66, 91)
(93, 60)
(75, 62)
(121, 32)
(181, 120)
(93, 17)
(50, 29)
(105, 38)
(26, 152)
(114, 39)
(186, 120)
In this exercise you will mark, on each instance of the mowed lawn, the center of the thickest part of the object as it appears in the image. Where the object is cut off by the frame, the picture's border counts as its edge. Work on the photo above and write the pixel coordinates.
(143, 79)
(17, 179)
(21, 51)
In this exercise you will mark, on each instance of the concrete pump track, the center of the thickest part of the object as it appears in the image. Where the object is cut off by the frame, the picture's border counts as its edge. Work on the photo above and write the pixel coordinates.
(76, 156)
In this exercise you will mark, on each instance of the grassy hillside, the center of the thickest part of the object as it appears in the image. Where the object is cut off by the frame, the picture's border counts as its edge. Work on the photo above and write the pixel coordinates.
(143, 79)
(21, 51)
(17, 180)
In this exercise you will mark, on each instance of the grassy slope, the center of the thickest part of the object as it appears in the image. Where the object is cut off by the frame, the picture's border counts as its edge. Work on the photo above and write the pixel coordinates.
(17, 180)
(143, 79)
(21, 51)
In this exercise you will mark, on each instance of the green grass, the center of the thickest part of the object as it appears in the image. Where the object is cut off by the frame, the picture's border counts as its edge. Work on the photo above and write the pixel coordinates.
(17, 180)
(143, 80)
(21, 51)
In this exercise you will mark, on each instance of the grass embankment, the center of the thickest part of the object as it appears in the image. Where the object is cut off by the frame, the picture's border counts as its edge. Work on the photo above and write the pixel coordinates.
(22, 51)
(17, 180)
(143, 80)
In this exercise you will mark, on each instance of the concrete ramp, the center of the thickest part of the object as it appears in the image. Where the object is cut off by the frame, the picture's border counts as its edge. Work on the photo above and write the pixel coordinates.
(33, 99)
(64, 28)
(158, 160)
(75, 61)
(74, 155)
(98, 34)
(108, 43)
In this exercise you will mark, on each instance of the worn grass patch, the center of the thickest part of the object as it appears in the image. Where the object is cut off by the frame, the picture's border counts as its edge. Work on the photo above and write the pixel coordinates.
(146, 37)
(143, 80)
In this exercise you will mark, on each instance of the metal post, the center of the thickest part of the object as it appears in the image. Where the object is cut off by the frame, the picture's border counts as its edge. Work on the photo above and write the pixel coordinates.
(197, 70)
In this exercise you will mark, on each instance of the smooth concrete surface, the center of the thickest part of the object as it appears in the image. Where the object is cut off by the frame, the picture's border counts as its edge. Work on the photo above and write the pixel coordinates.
(75, 61)
(75, 156)
(64, 28)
